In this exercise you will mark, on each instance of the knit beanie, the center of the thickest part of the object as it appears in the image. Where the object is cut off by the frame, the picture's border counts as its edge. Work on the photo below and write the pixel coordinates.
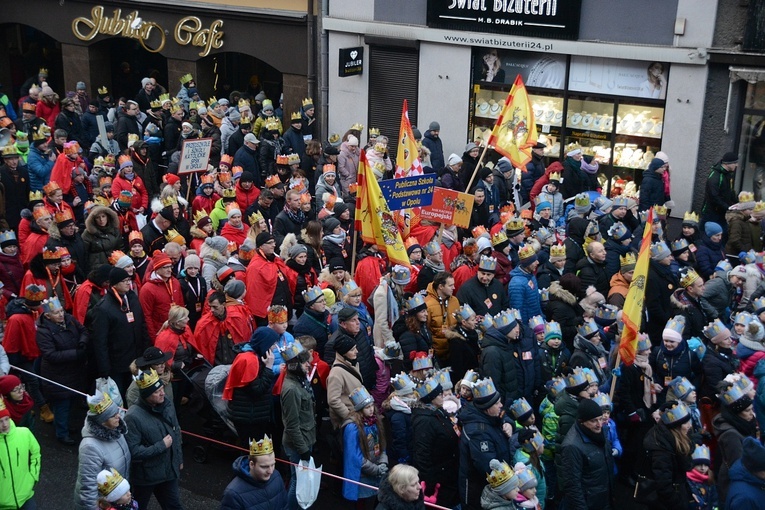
(711, 228)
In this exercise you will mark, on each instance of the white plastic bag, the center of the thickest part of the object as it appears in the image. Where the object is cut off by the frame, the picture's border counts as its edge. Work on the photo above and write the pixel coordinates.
(107, 386)
(308, 481)
(140, 220)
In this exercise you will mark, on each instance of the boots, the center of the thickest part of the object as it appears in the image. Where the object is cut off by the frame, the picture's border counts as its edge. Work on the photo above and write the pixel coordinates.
(46, 414)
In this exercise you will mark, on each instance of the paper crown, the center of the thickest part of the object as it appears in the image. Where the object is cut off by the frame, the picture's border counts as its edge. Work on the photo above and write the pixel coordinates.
(747, 257)
(243, 104)
(177, 107)
(486, 323)
(514, 225)
(487, 264)
(526, 252)
(41, 133)
(470, 378)
(543, 234)
(227, 160)
(553, 330)
(51, 255)
(35, 196)
(97, 407)
(186, 78)
(41, 212)
(743, 318)
(107, 484)
(606, 312)
(307, 102)
(63, 216)
(643, 343)
(554, 176)
(742, 381)
(281, 159)
(501, 473)
(576, 378)
(212, 101)
(293, 159)
(295, 116)
(464, 312)
(427, 387)
(156, 104)
(71, 148)
(348, 287)
(679, 245)
(758, 304)
(681, 387)
(503, 319)
(723, 266)
(334, 138)
(392, 350)
(263, 447)
(582, 200)
(402, 383)
(701, 455)
(618, 230)
(688, 276)
(360, 398)
(51, 187)
(401, 274)
(147, 378)
(443, 378)
(620, 201)
(422, 361)
(526, 478)
(357, 127)
(233, 206)
(714, 328)
(168, 200)
(229, 193)
(534, 443)
(498, 238)
(292, 350)
(272, 124)
(103, 90)
(535, 321)
(328, 168)
(590, 376)
(520, 408)
(7, 236)
(659, 248)
(587, 328)
(556, 386)
(51, 305)
(759, 207)
(312, 294)
(746, 196)
(674, 414)
(691, 217)
(374, 132)
(484, 388)
(732, 395)
(677, 324)
(516, 314)
(135, 237)
(660, 211)
(558, 250)
(173, 236)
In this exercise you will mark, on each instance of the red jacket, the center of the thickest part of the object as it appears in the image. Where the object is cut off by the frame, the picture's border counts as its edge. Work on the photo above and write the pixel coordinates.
(463, 274)
(21, 335)
(156, 298)
(369, 270)
(536, 189)
(245, 198)
(261, 279)
(136, 187)
(11, 274)
(30, 279)
(239, 236)
(48, 112)
(204, 203)
(33, 246)
(450, 253)
(62, 172)
(209, 329)
(168, 340)
(82, 299)
(53, 208)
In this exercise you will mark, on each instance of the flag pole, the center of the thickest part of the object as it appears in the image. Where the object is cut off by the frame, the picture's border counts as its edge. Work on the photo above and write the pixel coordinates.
(475, 170)
(613, 375)
(353, 253)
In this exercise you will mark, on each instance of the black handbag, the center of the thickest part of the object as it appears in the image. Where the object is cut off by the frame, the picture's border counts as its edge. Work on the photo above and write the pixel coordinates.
(645, 491)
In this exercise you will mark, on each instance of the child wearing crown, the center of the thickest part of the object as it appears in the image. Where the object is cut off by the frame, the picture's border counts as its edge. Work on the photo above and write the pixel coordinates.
(701, 480)
(114, 492)
(551, 196)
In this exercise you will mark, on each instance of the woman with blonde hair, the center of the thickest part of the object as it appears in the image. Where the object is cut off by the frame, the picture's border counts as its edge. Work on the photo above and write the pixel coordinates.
(176, 338)
(401, 490)
(257, 225)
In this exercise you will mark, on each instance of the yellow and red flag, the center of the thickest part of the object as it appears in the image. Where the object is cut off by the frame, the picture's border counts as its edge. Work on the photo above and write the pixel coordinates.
(374, 221)
(633, 303)
(407, 160)
(515, 131)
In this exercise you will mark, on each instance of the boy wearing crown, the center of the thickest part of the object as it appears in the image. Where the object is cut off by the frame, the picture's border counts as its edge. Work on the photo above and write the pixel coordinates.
(15, 180)
(256, 484)
(293, 137)
(154, 440)
(19, 463)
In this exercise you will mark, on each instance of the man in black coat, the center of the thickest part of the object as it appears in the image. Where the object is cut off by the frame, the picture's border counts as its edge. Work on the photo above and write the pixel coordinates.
(172, 131)
(592, 270)
(155, 229)
(483, 292)
(127, 124)
(247, 158)
(119, 330)
(236, 140)
(660, 285)
(349, 325)
(14, 187)
(720, 193)
(290, 220)
(686, 301)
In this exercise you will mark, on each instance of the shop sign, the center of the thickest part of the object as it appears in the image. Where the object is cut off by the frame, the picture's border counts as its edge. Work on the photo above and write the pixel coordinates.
(449, 207)
(630, 78)
(408, 192)
(351, 61)
(188, 30)
(557, 19)
(195, 156)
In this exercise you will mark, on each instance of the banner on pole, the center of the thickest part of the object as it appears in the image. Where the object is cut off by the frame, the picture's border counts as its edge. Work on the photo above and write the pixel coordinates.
(408, 192)
(195, 156)
(449, 207)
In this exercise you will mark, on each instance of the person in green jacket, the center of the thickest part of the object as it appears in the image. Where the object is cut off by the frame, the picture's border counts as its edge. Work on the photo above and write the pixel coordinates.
(219, 215)
(17, 477)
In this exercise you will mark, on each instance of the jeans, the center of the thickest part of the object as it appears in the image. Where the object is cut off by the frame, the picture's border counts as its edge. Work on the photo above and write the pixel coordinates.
(60, 410)
(294, 457)
(30, 504)
(167, 495)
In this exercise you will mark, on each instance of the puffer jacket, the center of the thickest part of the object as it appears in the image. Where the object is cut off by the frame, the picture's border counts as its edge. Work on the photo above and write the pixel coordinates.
(589, 468)
(717, 364)
(63, 349)
(440, 315)
(100, 448)
(499, 361)
(668, 468)
(101, 242)
(244, 492)
(20, 463)
(253, 402)
(652, 187)
(593, 274)
(398, 420)
(555, 200)
(708, 254)
(564, 309)
(730, 448)
(743, 234)
(152, 462)
(523, 293)
(746, 490)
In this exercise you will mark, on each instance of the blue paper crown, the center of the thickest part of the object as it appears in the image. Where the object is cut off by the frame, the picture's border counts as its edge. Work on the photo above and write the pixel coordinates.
(487, 322)
(658, 248)
(732, 395)
(556, 386)
(470, 378)
(360, 398)
(8, 235)
(681, 387)
(748, 257)
(422, 363)
(701, 453)
(534, 443)
(621, 201)
(464, 312)
(744, 383)
(617, 230)
(401, 274)
(603, 400)
(427, 387)
(432, 248)
(606, 312)
(588, 328)
(415, 301)
(714, 328)
(525, 476)
(679, 244)
(484, 388)
(443, 378)
(349, 287)
(292, 350)
(590, 375)
(675, 413)
(520, 408)
(402, 383)
(552, 330)
(543, 234)
(743, 318)
(723, 266)
(535, 321)
(312, 294)
(643, 343)
(759, 258)
(487, 264)
(51, 305)
(392, 350)
(677, 324)
(504, 318)
(758, 304)
(576, 378)
(516, 314)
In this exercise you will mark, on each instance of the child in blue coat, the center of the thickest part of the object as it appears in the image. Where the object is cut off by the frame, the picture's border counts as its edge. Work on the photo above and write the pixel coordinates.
(609, 426)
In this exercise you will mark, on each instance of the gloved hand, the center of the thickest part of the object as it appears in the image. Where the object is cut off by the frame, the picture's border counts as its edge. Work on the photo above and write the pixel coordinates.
(614, 452)
(306, 456)
(433, 497)
(635, 418)
(382, 470)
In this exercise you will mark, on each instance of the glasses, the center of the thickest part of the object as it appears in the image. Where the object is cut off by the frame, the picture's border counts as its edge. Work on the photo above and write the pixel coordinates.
(19, 389)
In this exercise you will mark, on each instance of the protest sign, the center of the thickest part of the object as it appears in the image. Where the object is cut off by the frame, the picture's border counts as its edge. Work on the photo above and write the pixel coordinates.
(449, 208)
(408, 192)
(195, 155)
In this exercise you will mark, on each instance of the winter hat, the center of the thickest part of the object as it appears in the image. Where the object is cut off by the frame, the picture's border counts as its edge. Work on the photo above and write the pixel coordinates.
(582, 203)
(263, 238)
(160, 259)
(504, 165)
(111, 485)
(340, 208)
(588, 410)
(753, 336)
(234, 289)
(434, 126)
(7, 383)
(454, 159)
(352, 141)
(224, 273)
(753, 458)
(235, 116)
(101, 407)
(296, 250)
(728, 157)
(711, 228)
(116, 275)
(343, 344)
(218, 243)
(336, 264)
(193, 260)
(330, 224)
(262, 339)
(347, 313)
(591, 300)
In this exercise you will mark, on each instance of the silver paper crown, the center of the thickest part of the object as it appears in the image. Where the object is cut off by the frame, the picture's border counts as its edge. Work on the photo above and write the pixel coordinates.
(743, 318)
(556, 386)
(427, 387)
(292, 350)
(675, 413)
(423, 363)
(590, 375)
(415, 301)
(443, 378)
(487, 322)
(621, 201)
(576, 378)
(617, 230)
(51, 305)
(520, 408)
(402, 383)
(552, 330)
(470, 378)
(534, 443)
(676, 323)
(432, 248)
(643, 343)
(723, 266)
(679, 244)
(701, 453)
(606, 312)
(464, 312)
(714, 328)
(484, 388)
(312, 294)
(733, 394)
(603, 400)
(487, 264)
(588, 328)
(360, 398)
(535, 321)
(681, 387)
(349, 287)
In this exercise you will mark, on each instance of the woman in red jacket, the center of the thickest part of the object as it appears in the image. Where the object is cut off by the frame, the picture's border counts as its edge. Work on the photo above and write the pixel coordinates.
(176, 337)
(127, 180)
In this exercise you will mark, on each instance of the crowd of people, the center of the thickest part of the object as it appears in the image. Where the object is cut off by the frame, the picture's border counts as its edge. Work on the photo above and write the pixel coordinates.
(484, 374)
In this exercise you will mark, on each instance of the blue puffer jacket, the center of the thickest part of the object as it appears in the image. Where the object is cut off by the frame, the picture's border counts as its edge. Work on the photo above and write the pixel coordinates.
(759, 400)
(652, 187)
(244, 492)
(708, 254)
(523, 294)
(40, 167)
(746, 490)
(614, 250)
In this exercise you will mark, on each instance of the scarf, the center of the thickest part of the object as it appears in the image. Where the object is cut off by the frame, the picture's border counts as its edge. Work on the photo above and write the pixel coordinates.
(338, 239)
(598, 439)
(369, 421)
(448, 237)
(296, 216)
(649, 399)
(695, 476)
(437, 268)
(745, 428)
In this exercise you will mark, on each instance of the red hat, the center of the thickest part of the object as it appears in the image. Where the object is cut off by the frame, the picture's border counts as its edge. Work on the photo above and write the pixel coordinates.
(7, 383)
(4, 412)
(171, 179)
(160, 259)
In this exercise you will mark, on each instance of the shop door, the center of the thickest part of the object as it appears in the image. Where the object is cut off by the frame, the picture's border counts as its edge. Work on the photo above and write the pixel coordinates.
(121, 63)
(393, 76)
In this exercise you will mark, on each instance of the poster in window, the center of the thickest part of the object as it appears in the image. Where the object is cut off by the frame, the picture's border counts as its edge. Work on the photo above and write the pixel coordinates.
(630, 78)
(540, 70)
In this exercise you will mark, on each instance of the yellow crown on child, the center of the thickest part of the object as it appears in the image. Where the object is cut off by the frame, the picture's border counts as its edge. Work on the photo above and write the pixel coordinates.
(296, 116)
(272, 124)
(186, 78)
(660, 210)
(155, 104)
(500, 474)
(628, 259)
(554, 176)
(35, 196)
(112, 481)
(374, 132)
(103, 90)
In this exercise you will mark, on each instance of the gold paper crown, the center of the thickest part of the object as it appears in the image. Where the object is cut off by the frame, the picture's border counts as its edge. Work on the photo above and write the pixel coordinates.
(759, 207)
(40, 212)
(177, 108)
(255, 217)
(582, 200)
(35, 196)
(132, 137)
(163, 98)
(296, 116)
(169, 200)
(43, 70)
(41, 133)
(333, 138)
(186, 78)
(243, 104)
(558, 250)
(515, 224)
(200, 215)
(660, 210)
(500, 475)
(155, 104)
(554, 176)
(688, 277)
(307, 101)
(746, 196)
(229, 193)
(212, 101)
(207, 179)
(498, 238)
(147, 378)
(112, 482)
(103, 90)
(374, 132)
(263, 447)
(526, 251)
(628, 259)
(272, 124)
(172, 236)
(357, 127)
(102, 405)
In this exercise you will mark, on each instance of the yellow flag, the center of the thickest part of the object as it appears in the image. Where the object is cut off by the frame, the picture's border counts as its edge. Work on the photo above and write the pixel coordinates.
(515, 131)
(407, 162)
(374, 221)
(633, 303)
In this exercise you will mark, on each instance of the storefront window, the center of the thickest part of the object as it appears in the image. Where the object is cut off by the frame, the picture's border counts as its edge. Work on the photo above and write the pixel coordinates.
(752, 145)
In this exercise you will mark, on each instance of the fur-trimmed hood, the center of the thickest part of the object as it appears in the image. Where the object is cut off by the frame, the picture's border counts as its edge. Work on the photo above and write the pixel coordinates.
(326, 277)
(197, 233)
(90, 221)
(562, 294)
(679, 299)
(289, 241)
